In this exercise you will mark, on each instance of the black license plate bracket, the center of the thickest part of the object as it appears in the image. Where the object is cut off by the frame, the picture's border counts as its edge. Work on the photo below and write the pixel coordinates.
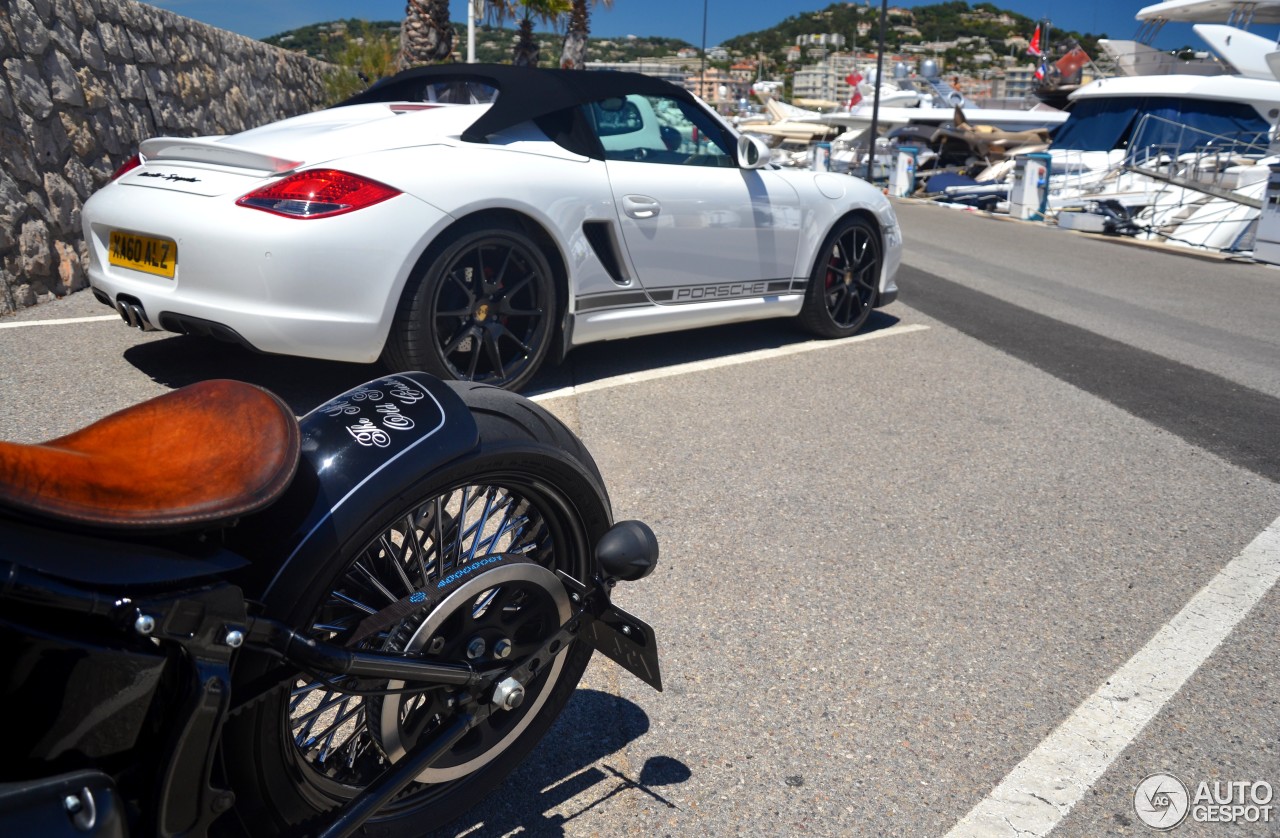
(622, 637)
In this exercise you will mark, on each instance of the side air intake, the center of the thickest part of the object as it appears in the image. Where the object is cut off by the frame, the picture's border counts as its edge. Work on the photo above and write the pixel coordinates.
(601, 236)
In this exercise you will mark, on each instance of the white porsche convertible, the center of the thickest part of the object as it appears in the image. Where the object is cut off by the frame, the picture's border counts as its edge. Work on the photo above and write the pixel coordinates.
(475, 220)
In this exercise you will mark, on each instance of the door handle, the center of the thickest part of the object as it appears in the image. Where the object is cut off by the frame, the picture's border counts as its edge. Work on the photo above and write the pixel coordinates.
(640, 206)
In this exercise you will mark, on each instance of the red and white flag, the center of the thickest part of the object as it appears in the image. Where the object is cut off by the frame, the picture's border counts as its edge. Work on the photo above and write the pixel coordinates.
(855, 95)
(1034, 49)
(1069, 64)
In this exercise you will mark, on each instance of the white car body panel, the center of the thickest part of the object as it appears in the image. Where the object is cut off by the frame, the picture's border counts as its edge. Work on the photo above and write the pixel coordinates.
(677, 227)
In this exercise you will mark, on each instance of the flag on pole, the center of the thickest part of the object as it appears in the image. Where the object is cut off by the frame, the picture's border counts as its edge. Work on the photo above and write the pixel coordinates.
(855, 95)
(1069, 64)
(1034, 49)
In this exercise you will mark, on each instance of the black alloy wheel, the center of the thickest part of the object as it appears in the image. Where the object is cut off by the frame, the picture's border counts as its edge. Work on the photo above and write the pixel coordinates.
(481, 311)
(845, 280)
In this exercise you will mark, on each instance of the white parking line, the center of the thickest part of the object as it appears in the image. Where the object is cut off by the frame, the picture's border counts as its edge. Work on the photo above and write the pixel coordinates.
(19, 324)
(1039, 792)
(716, 363)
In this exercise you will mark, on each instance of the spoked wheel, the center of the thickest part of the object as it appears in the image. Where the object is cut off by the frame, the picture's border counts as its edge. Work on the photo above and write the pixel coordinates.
(494, 610)
(481, 311)
(845, 281)
(480, 546)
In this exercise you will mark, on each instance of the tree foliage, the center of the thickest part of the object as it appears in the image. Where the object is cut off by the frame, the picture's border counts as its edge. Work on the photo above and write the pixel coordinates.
(365, 55)
(493, 43)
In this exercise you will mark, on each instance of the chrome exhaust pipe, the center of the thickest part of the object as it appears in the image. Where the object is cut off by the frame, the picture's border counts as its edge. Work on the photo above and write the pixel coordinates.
(133, 313)
(126, 314)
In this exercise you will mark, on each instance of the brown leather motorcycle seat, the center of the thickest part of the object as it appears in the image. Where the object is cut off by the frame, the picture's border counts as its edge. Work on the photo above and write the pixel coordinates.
(206, 453)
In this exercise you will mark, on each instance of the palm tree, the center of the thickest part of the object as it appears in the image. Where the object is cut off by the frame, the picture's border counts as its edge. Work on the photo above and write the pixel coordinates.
(526, 50)
(574, 54)
(426, 36)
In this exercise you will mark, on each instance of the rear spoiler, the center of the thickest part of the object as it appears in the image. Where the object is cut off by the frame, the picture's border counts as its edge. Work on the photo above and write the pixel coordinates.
(212, 150)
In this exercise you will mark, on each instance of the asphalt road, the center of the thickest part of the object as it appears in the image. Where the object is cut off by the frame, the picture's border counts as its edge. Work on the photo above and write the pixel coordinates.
(892, 567)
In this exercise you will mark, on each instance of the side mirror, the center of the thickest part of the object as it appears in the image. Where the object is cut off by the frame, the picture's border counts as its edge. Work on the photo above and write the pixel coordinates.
(752, 152)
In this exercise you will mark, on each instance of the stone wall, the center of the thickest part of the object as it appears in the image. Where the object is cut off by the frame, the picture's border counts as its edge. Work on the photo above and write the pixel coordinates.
(83, 82)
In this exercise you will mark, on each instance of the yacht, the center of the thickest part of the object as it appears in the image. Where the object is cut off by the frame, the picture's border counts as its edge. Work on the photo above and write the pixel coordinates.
(1177, 150)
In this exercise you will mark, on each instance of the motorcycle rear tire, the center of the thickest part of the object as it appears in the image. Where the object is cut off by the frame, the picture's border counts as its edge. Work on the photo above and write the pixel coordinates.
(523, 449)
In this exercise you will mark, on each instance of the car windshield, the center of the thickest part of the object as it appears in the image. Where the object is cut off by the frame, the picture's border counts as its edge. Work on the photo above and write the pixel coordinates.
(460, 93)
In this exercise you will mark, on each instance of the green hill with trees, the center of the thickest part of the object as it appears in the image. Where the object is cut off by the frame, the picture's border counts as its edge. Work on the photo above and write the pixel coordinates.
(938, 22)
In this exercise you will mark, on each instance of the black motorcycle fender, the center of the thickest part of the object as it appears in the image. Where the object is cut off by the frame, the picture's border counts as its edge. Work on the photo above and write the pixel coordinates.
(362, 452)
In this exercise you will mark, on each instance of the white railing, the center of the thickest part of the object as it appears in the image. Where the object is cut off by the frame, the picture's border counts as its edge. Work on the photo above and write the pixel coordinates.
(1186, 185)
(1192, 157)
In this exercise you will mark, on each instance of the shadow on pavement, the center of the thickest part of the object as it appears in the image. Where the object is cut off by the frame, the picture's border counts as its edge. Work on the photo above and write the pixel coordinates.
(596, 361)
(305, 383)
(563, 767)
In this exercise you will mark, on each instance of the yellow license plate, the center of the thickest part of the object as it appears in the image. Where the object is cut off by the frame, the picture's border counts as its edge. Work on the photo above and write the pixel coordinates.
(143, 253)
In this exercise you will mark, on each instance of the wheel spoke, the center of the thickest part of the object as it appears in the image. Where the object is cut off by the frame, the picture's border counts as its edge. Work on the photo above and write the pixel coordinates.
(320, 709)
(466, 289)
(866, 277)
(399, 558)
(332, 730)
(507, 311)
(524, 348)
(490, 287)
(461, 534)
(479, 275)
(494, 352)
(475, 359)
(308, 720)
(484, 518)
(458, 338)
(377, 585)
(491, 543)
(416, 540)
(353, 601)
(845, 306)
(860, 243)
(336, 627)
(303, 690)
(480, 608)
(438, 503)
(514, 290)
(845, 256)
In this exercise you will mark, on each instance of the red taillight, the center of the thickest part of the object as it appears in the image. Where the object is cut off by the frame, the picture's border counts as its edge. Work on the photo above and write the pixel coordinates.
(129, 165)
(318, 193)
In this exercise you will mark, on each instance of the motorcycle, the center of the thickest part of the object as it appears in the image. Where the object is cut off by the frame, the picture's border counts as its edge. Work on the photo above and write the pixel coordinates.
(217, 619)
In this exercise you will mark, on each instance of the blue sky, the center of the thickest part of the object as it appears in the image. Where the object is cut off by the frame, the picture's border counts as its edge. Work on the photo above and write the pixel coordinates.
(670, 18)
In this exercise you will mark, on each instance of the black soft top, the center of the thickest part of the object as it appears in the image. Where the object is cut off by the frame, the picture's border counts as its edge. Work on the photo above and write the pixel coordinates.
(524, 93)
